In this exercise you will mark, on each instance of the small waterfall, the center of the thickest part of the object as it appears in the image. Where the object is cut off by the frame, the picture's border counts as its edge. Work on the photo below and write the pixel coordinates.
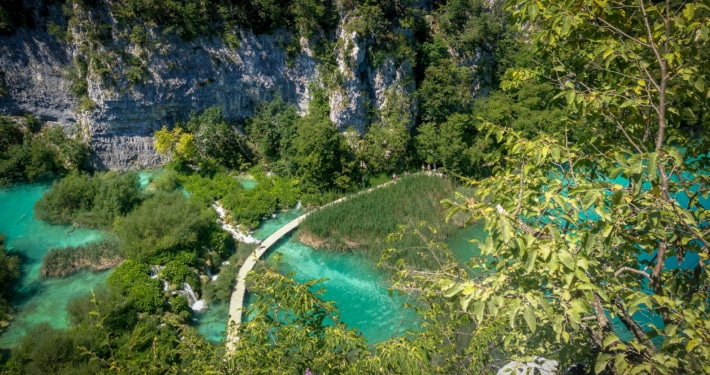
(209, 273)
(155, 270)
(230, 228)
(298, 205)
(195, 304)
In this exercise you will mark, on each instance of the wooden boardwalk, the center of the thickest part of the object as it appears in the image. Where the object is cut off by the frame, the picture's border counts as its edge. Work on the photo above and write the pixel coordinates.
(236, 302)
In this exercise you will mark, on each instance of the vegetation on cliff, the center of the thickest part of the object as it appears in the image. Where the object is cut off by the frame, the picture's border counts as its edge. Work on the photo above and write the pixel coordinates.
(30, 151)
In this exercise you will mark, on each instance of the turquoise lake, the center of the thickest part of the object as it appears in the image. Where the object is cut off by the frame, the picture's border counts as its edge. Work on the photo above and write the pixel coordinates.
(357, 287)
(40, 300)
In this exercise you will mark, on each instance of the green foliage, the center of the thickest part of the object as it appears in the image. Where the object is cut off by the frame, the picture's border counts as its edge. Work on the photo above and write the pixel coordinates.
(321, 156)
(95, 256)
(29, 152)
(93, 202)
(248, 207)
(132, 281)
(612, 225)
(363, 223)
(9, 274)
(217, 140)
(164, 223)
(288, 331)
(222, 288)
(272, 130)
(207, 190)
(180, 269)
(47, 350)
(445, 90)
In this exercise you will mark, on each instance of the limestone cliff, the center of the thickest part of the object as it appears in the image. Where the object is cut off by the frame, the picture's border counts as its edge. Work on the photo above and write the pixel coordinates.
(180, 77)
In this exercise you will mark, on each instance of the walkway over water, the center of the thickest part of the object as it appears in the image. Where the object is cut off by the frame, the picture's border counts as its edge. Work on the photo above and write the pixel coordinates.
(236, 302)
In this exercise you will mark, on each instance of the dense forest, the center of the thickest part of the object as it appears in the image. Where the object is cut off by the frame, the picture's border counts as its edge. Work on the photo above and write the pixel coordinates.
(585, 156)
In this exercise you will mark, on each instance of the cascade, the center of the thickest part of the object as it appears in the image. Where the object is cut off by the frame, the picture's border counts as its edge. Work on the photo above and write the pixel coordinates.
(195, 304)
(209, 273)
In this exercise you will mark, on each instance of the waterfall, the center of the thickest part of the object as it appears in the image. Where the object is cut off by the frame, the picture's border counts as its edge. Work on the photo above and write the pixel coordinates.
(230, 228)
(195, 304)
(209, 273)
(298, 205)
(155, 270)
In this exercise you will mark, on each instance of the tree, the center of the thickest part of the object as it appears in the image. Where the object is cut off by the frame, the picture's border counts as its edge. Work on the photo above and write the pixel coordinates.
(597, 248)
(321, 154)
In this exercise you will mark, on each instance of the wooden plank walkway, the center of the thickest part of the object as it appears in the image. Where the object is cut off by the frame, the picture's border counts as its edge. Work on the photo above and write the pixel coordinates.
(236, 302)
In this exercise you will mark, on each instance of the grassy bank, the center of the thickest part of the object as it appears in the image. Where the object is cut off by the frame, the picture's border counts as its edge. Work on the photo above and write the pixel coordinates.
(364, 222)
(95, 256)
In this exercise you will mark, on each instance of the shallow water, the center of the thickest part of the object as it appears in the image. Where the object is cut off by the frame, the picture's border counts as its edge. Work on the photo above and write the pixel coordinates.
(38, 300)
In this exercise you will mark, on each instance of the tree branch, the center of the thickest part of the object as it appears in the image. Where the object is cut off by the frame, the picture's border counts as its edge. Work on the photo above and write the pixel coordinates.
(632, 270)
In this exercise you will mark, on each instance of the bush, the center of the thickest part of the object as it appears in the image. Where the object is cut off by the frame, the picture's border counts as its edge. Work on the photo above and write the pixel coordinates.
(132, 280)
(93, 202)
(165, 223)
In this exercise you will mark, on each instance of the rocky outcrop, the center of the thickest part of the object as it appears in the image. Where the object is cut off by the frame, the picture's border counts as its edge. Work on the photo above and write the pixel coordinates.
(364, 86)
(181, 77)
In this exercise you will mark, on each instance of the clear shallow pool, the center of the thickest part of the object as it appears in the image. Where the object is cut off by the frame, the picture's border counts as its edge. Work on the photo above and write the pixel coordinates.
(37, 300)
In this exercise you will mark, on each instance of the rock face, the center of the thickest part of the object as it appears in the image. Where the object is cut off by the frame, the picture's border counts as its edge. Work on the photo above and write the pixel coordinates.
(181, 77)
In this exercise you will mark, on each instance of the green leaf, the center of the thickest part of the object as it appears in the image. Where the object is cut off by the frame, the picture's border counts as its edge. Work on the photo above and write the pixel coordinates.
(610, 340)
(601, 362)
(453, 290)
(532, 11)
(589, 198)
(531, 261)
(529, 316)
(692, 344)
(567, 259)
(700, 85)
(620, 363)
(514, 306)
(478, 309)
(652, 164)
(505, 229)
(689, 11)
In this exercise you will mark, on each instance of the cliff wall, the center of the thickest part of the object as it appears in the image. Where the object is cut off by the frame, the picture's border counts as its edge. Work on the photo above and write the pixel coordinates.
(180, 77)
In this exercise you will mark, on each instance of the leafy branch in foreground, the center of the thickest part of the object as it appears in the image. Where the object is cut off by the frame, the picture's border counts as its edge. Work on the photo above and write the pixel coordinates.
(597, 247)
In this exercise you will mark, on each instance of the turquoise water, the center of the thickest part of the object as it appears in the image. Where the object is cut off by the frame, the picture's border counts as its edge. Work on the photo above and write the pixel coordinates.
(146, 176)
(37, 300)
(358, 289)
(247, 182)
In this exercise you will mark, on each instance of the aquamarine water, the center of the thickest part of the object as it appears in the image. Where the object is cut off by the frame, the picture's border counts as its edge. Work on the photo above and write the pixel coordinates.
(358, 288)
(39, 300)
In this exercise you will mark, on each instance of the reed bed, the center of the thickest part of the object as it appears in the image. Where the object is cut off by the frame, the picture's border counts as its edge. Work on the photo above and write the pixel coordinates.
(97, 256)
(363, 223)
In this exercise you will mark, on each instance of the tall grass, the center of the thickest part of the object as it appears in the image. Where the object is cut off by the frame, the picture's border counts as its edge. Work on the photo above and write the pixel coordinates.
(363, 223)
(97, 256)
